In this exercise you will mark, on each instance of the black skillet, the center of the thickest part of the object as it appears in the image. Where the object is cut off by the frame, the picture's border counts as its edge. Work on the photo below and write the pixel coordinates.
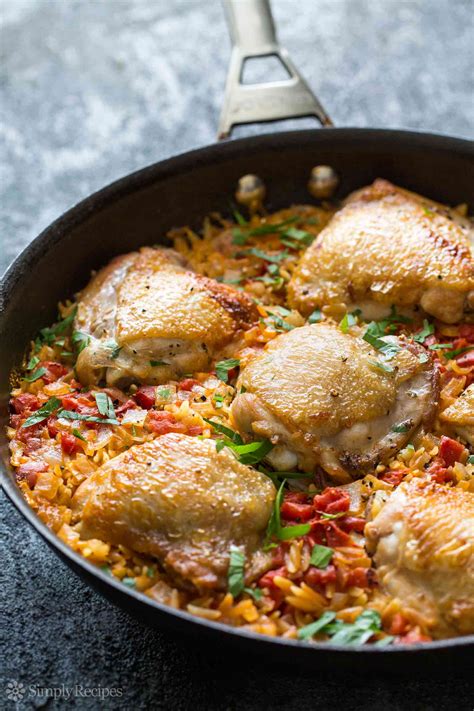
(140, 208)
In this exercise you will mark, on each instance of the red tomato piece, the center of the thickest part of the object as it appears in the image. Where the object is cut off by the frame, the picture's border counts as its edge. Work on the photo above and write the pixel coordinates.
(188, 384)
(26, 402)
(335, 537)
(318, 578)
(54, 371)
(30, 467)
(360, 578)
(466, 360)
(399, 624)
(294, 511)
(52, 423)
(33, 444)
(163, 422)
(127, 405)
(332, 501)
(467, 331)
(194, 430)
(413, 637)
(352, 523)
(146, 396)
(450, 450)
(392, 477)
(267, 580)
(23, 434)
(69, 443)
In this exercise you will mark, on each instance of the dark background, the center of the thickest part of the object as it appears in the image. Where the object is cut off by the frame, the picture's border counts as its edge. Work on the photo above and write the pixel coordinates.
(92, 90)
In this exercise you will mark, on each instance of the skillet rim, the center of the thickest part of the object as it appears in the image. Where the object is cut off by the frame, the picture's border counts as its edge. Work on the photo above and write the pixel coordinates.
(208, 155)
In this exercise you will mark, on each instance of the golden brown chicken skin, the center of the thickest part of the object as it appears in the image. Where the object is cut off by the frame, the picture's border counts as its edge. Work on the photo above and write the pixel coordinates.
(389, 246)
(149, 319)
(324, 397)
(178, 499)
(423, 546)
(460, 415)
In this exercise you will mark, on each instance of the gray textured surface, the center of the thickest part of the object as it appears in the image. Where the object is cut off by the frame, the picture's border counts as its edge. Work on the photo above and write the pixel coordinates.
(93, 90)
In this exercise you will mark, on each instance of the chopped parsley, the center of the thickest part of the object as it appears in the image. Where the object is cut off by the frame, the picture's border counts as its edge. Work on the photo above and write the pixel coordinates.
(77, 434)
(43, 413)
(49, 334)
(71, 415)
(223, 367)
(235, 573)
(321, 556)
(372, 336)
(256, 593)
(163, 393)
(347, 322)
(240, 236)
(32, 363)
(272, 258)
(218, 401)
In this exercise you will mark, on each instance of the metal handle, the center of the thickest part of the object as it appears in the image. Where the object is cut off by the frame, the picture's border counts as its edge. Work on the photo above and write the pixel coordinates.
(252, 32)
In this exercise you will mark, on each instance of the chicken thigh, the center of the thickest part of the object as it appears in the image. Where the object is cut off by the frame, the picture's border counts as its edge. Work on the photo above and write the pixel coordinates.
(146, 318)
(423, 546)
(460, 415)
(327, 398)
(178, 499)
(389, 246)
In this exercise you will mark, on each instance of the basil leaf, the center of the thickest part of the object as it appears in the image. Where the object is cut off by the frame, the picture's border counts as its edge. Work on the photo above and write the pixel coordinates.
(223, 367)
(321, 556)
(275, 528)
(256, 593)
(317, 626)
(235, 574)
(115, 349)
(35, 376)
(251, 453)
(348, 321)
(315, 317)
(43, 413)
(273, 258)
(32, 363)
(77, 434)
(239, 218)
(402, 427)
(80, 340)
(385, 641)
(382, 366)
(163, 393)
(452, 354)
(71, 415)
(389, 349)
(427, 330)
(105, 405)
(470, 459)
(233, 436)
(48, 334)
(423, 358)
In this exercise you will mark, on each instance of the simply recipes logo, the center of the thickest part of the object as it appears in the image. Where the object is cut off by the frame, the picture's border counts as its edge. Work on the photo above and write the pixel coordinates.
(17, 692)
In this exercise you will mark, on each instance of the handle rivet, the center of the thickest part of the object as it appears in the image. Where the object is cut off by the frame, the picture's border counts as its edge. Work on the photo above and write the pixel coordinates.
(250, 192)
(323, 182)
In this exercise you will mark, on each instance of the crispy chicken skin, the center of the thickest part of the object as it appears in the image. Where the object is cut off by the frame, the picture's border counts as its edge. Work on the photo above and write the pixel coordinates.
(460, 415)
(150, 319)
(323, 398)
(178, 499)
(389, 246)
(423, 545)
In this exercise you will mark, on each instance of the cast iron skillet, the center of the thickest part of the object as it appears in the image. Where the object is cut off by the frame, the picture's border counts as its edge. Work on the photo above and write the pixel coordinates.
(138, 210)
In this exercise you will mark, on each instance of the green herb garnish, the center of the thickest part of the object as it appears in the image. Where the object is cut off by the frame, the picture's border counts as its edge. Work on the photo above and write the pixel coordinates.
(382, 366)
(315, 317)
(402, 428)
(35, 376)
(71, 415)
(80, 340)
(275, 529)
(235, 573)
(105, 405)
(223, 367)
(43, 413)
(321, 556)
(77, 434)
(317, 626)
(427, 330)
(32, 363)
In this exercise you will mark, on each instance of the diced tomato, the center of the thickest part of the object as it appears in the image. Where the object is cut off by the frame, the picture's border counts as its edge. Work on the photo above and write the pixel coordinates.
(70, 402)
(267, 580)
(163, 422)
(31, 466)
(360, 578)
(293, 511)
(23, 434)
(332, 501)
(466, 360)
(467, 331)
(127, 405)
(146, 396)
(194, 430)
(438, 473)
(413, 637)
(33, 444)
(52, 423)
(54, 371)
(352, 523)
(69, 443)
(335, 537)
(392, 477)
(316, 577)
(188, 384)
(26, 402)
(399, 624)
(450, 450)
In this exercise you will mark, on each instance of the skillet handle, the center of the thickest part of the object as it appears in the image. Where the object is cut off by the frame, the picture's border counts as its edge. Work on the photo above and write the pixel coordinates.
(252, 32)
